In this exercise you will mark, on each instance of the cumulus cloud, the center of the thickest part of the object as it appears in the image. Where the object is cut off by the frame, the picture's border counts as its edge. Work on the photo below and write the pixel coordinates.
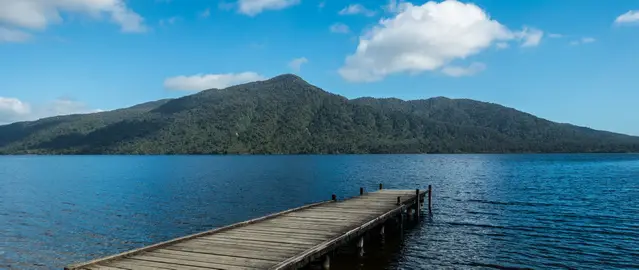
(458, 71)
(355, 9)
(14, 110)
(38, 14)
(584, 40)
(296, 64)
(340, 28)
(201, 82)
(629, 17)
(427, 38)
(254, 7)
(11, 35)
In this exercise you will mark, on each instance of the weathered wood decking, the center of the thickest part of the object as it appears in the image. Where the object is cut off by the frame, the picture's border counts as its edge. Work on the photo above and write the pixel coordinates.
(285, 240)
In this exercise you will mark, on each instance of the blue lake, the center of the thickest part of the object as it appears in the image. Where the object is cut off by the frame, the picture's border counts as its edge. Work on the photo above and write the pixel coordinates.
(490, 211)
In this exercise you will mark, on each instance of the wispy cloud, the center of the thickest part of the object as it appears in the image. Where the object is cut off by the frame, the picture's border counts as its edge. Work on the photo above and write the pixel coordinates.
(458, 71)
(584, 40)
(201, 82)
(254, 7)
(296, 64)
(340, 28)
(630, 17)
(355, 9)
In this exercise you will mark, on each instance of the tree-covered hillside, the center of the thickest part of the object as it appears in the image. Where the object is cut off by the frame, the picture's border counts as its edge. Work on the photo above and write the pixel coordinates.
(286, 115)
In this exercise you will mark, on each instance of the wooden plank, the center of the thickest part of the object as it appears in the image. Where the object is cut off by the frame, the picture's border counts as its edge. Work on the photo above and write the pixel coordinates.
(134, 263)
(178, 263)
(209, 258)
(305, 226)
(264, 239)
(264, 254)
(249, 244)
(305, 235)
(233, 259)
(263, 228)
(141, 266)
(102, 267)
(276, 237)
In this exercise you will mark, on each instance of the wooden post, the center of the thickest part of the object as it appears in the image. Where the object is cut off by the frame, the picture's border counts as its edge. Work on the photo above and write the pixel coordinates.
(399, 199)
(430, 197)
(327, 262)
(381, 186)
(417, 210)
(361, 191)
(334, 197)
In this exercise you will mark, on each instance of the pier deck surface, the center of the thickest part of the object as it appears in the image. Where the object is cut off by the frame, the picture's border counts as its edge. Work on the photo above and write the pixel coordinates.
(285, 240)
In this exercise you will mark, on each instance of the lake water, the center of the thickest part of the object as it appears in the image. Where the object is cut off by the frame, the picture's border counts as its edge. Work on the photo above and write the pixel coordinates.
(490, 211)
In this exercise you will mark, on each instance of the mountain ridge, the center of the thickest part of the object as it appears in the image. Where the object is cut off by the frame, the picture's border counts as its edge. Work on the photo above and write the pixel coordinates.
(287, 115)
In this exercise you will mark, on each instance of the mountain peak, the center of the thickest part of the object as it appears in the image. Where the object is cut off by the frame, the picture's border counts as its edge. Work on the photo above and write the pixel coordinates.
(286, 77)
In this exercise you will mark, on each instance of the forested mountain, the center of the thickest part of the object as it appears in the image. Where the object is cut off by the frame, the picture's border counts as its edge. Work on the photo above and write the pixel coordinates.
(286, 115)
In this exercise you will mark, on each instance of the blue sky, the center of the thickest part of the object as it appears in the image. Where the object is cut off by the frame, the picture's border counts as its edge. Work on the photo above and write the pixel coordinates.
(568, 61)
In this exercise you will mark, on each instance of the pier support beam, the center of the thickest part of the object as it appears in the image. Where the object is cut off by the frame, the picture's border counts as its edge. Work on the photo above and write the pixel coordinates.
(360, 246)
(327, 262)
(381, 231)
(417, 204)
(381, 186)
(361, 191)
(430, 198)
(360, 242)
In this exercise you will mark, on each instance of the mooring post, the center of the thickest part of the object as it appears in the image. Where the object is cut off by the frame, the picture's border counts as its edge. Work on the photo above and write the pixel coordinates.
(399, 199)
(430, 196)
(417, 203)
(381, 186)
(334, 197)
(361, 191)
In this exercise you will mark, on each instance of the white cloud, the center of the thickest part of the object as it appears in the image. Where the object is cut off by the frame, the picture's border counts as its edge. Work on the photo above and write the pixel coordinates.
(584, 40)
(555, 35)
(38, 14)
(254, 7)
(531, 37)
(427, 38)
(340, 28)
(296, 64)
(321, 5)
(629, 17)
(11, 35)
(207, 81)
(355, 9)
(457, 71)
(14, 110)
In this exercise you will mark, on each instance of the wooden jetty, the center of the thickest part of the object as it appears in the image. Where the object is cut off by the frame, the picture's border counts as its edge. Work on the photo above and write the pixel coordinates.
(286, 240)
